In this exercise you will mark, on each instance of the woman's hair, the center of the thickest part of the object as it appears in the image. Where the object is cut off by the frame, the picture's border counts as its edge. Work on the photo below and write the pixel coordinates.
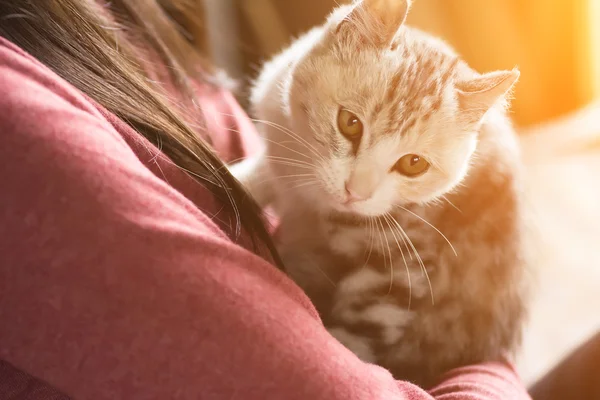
(83, 42)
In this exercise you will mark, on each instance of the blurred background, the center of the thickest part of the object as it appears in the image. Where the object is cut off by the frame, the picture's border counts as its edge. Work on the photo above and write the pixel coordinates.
(556, 45)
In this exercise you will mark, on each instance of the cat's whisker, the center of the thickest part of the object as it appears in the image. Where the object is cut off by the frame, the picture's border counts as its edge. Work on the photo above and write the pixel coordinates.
(381, 240)
(423, 268)
(372, 239)
(299, 140)
(290, 164)
(291, 142)
(287, 148)
(419, 260)
(230, 163)
(303, 184)
(291, 160)
(452, 204)
(279, 177)
(436, 229)
(322, 271)
(387, 243)
(371, 234)
(291, 133)
(402, 237)
(284, 130)
(288, 176)
(387, 217)
(296, 178)
(274, 142)
(299, 180)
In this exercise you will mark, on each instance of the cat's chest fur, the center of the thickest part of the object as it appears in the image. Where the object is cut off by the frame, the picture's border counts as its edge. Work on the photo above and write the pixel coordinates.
(338, 258)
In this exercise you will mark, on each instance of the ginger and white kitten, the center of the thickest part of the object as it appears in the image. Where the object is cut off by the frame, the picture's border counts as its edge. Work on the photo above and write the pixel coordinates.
(396, 174)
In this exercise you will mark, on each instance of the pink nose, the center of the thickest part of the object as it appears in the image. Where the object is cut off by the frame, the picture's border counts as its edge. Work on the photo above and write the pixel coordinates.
(351, 195)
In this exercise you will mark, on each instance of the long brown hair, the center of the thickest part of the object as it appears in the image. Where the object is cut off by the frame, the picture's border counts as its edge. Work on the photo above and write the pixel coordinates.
(84, 44)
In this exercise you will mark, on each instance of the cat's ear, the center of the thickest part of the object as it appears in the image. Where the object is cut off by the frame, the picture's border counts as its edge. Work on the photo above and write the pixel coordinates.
(375, 21)
(476, 96)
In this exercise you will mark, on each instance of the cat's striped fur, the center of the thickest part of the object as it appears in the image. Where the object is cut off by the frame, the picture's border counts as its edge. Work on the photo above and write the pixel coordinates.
(426, 274)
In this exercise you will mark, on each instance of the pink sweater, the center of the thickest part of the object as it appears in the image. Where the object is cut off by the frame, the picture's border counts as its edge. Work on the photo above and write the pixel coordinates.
(116, 284)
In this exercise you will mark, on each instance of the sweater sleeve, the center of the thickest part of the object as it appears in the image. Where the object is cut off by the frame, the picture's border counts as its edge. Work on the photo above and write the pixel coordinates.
(114, 286)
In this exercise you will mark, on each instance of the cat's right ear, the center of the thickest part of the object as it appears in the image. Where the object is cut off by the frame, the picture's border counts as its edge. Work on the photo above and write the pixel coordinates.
(476, 96)
(375, 22)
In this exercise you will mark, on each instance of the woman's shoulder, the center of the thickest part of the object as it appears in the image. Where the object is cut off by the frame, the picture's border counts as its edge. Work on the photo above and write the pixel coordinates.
(40, 110)
(26, 84)
(40, 113)
(55, 133)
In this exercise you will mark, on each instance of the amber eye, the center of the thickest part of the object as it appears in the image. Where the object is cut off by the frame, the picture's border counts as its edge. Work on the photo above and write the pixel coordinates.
(411, 165)
(349, 125)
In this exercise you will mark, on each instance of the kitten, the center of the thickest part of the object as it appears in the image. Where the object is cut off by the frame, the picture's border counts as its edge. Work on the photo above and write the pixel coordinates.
(398, 178)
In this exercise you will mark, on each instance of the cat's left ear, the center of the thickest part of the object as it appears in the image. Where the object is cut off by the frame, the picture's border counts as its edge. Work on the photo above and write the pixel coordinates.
(476, 96)
(375, 21)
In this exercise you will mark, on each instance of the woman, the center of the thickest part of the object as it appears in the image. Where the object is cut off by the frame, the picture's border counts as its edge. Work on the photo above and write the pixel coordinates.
(133, 265)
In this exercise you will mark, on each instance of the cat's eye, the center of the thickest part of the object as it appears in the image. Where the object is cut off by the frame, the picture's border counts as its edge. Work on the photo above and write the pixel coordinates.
(411, 165)
(349, 125)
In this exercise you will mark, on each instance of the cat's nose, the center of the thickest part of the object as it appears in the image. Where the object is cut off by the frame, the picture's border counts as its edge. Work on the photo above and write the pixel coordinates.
(352, 195)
